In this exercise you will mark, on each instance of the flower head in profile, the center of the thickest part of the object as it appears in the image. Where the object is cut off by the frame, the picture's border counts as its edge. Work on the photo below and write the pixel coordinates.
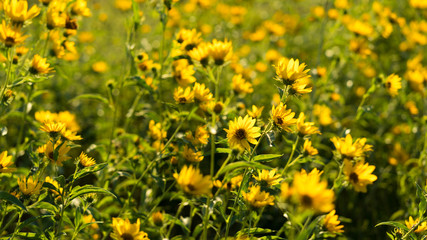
(359, 175)
(124, 230)
(257, 198)
(11, 36)
(220, 51)
(183, 96)
(5, 162)
(29, 186)
(191, 155)
(188, 39)
(56, 16)
(306, 128)
(347, 149)
(332, 224)
(311, 192)
(193, 182)
(241, 132)
(240, 85)
(18, 12)
(156, 131)
(255, 112)
(411, 222)
(39, 65)
(54, 155)
(200, 53)
(183, 72)
(393, 84)
(53, 128)
(202, 93)
(55, 184)
(282, 117)
(290, 71)
(309, 149)
(268, 177)
(85, 160)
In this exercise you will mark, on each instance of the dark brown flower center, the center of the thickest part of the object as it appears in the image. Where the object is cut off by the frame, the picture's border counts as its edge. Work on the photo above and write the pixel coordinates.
(191, 187)
(279, 121)
(9, 41)
(240, 134)
(354, 177)
(218, 108)
(126, 236)
(306, 201)
(182, 100)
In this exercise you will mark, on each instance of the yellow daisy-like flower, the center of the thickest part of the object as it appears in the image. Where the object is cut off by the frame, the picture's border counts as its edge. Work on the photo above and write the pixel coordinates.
(309, 149)
(156, 131)
(220, 51)
(311, 192)
(191, 155)
(11, 36)
(323, 113)
(189, 39)
(258, 198)
(200, 53)
(393, 84)
(56, 16)
(54, 183)
(79, 7)
(240, 85)
(157, 218)
(201, 136)
(18, 12)
(269, 177)
(332, 224)
(49, 152)
(193, 182)
(241, 132)
(183, 72)
(359, 175)
(124, 230)
(290, 71)
(299, 87)
(39, 65)
(348, 149)
(182, 96)
(306, 128)
(283, 117)
(53, 128)
(255, 112)
(201, 92)
(85, 160)
(5, 162)
(29, 186)
(70, 135)
(411, 222)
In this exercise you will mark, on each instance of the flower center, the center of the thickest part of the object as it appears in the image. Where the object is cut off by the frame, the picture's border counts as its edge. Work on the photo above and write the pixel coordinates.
(240, 134)
(126, 236)
(182, 100)
(306, 201)
(191, 187)
(279, 121)
(354, 178)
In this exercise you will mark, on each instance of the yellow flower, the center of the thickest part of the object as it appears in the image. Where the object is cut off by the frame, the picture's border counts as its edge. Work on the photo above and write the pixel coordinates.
(18, 12)
(191, 155)
(201, 135)
(123, 5)
(49, 152)
(29, 186)
(311, 192)
(155, 130)
(255, 112)
(189, 39)
(393, 84)
(157, 218)
(5, 162)
(360, 175)
(183, 72)
(183, 96)
(323, 113)
(283, 117)
(200, 53)
(309, 149)
(299, 87)
(11, 36)
(332, 224)
(241, 132)
(124, 230)
(86, 161)
(90, 219)
(53, 128)
(411, 222)
(45, 2)
(20, 51)
(79, 7)
(240, 85)
(39, 65)
(193, 182)
(54, 183)
(306, 128)
(341, 4)
(290, 71)
(100, 67)
(70, 135)
(258, 198)
(270, 178)
(360, 27)
(348, 149)
(56, 16)
(201, 92)
(220, 51)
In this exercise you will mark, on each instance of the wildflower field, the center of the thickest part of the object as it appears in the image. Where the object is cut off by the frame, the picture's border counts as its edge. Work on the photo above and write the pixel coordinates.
(213, 119)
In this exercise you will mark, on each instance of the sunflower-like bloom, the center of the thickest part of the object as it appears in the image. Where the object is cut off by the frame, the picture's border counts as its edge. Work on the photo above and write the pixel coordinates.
(53, 128)
(156, 131)
(309, 149)
(49, 152)
(220, 51)
(359, 175)
(79, 7)
(183, 72)
(189, 39)
(18, 12)
(269, 177)
(332, 224)
(255, 112)
(85, 160)
(258, 198)
(11, 36)
(29, 186)
(193, 182)
(201, 136)
(299, 87)
(124, 230)
(240, 85)
(241, 132)
(290, 71)
(39, 65)
(323, 113)
(56, 15)
(306, 128)
(311, 192)
(361, 28)
(183, 96)
(54, 183)
(231, 184)
(5, 162)
(411, 222)
(201, 92)
(200, 53)
(393, 84)
(347, 149)
(283, 117)
(191, 155)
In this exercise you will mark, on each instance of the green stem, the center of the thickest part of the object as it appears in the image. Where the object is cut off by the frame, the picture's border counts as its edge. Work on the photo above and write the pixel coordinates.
(413, 228)
(9, 68)
(21, 128)
(266, 129)
(132, 108)
(176, 219)
(43, 53)
(230, 157)
(365, 96)
(17, 224)
(294, 146)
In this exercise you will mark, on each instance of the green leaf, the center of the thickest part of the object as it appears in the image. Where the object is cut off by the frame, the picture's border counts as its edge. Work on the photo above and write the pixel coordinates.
(423, 203)
(393, 224)
(223, 150)
(242, 164)
(82, 190)
(308, 231)
(46, 206)
(87, 170)
(12, 199)
(92, 97)
(265, 157)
